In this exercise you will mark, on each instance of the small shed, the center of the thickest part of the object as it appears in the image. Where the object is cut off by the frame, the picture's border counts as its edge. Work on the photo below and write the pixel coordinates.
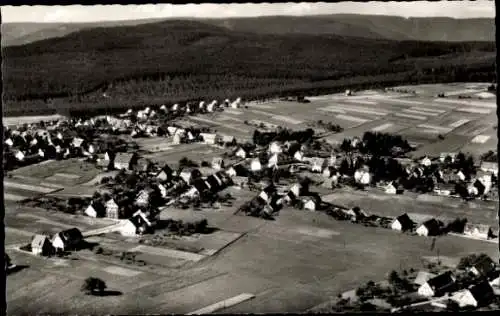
(438, 285)
(67, 239)
(41, 245)
(402, 223)
(431, 227)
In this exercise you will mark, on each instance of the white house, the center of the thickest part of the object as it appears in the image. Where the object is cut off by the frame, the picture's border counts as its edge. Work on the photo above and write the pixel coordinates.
(177, 139)
(111, 209)
(429, 228)
(241, 153)
(273, 161)
(163, 190)
(217, 163)
(209, 138)
(175, 107)
(19, 155)
(402, 223)
(9, 142)
(362, 177)
(390, 189)
(437, 285)
(201, 105)
(311, 203)
(142, 198)
(41, 153)
(460, 175)
(317, 164)
(255, 165)
(41, 245)
(299, 155)
(425, 161)
(137, 224)
(264, 196)
(296, 189)
(211, 106)
(91, 211)
(275, 148)
(422, 277)
(475, 295)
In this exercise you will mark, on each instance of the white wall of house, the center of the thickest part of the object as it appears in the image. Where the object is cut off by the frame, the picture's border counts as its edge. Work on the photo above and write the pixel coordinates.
(90, 211)
(128, 229)
(396, 225)
(310, 205)
(58, 243)
(425, 290)
(422, 231)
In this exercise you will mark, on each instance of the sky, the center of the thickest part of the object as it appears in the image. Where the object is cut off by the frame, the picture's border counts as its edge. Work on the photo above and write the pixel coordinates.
(78, 13)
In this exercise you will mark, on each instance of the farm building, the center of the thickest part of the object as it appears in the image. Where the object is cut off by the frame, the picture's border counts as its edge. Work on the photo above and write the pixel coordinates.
(209, 138)
(240, 152)
(330, 171)
(275, 147)
(165, 174)
(483, 267)
(228, 140)
(111, 209)
(390, 189)
(438, 285)
(67, 239)
(402, 223)
(162, 189)
(177, 139)
(125, 161)
(217, 163)
(311, 203)
(298, 155)
(478, 295)
(138, 224)
(190, 174)
(41, 245)
(95, 209)
(422, 277)
(362, 177)
(431, 227)
(489, 167)
(19, 155)
(255, 165)
(317, 164)
(143, 197)
(237, 170)
(478, 230)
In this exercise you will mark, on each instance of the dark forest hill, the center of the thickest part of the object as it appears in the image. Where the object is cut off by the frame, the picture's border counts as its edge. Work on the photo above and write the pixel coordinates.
(368, 26)
(183, 59)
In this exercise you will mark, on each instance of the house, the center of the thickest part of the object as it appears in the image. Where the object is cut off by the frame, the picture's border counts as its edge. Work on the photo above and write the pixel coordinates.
(330, 171)
(422, 277)
(480, 187)
(190, 174)
(311, 203)
(483, 267)
(138, 224)
(274, 160)
(77, 142)
(177, 139)
(241, 153)
(478, 230)
(217, 163)
(489, 167)
(317, 164)
(41, 245)
(144, 165)
(237, 170)
(162, 189)
(111, 209)
(362, 177)
(95, 209)
(228, 140)
(356, 214)
(298, 155)
(460, 175)
(442, 156)
(275, 147)
(9, 142)
(425, 161)
(143, 197)
(125, 161)
(438, 285)
(480, 294)
(402, 223)
(67, 239)
(255, 165)
(431, 227)
(209, 138)
(165, 174)
(19, 155)
(390, 189)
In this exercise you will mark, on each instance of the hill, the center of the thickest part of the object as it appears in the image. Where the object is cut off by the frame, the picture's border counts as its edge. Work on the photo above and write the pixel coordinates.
(368, 26)
(182, 59)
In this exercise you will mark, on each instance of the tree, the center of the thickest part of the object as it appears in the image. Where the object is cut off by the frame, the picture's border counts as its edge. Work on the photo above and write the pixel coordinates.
(93, 286)
(393, 278)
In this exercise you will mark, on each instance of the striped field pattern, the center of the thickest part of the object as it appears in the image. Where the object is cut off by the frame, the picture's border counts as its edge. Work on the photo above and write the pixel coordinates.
(416, 117)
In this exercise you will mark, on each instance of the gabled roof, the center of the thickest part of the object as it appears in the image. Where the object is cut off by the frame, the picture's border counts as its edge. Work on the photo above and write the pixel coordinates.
(405, 221)
(39, 240)
(482, 291)
(200, 185)
(441, 281)
(432, 224)
(485, 265)
(71, 235)
(140, 218)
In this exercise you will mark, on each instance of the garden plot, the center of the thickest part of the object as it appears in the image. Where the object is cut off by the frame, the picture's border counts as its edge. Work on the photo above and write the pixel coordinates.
(120, 271)
(452, 143)
(474, 110)
(419, 112)
(346, 108)
(286, 119)
(480, 148)
(472, 128)
(480, 139)
(458, 123)
(411, 116)
(436, 128)
(232, 112)
(170, 253)
(27, 187)
(485, 95)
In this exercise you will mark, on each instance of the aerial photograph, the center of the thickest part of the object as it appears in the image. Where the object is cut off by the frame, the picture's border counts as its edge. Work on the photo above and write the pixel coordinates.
(250, 158)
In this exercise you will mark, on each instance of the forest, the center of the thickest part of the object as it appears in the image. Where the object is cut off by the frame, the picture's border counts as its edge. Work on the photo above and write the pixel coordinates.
(109, 68)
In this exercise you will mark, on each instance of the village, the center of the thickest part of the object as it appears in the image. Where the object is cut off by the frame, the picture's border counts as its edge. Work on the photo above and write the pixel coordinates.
(135, 193)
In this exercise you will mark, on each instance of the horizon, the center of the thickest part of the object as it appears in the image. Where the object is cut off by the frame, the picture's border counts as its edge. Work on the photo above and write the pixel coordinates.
(101, 13)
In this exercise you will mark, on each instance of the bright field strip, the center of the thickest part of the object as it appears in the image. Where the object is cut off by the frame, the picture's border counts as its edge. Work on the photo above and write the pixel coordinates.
(459, 92)
(421, 112)
(330, 109)
(368, 102)
(229, 118)
(286, 119)
(13, 197)
(67, 175)
(234, 112)
(485, 95)
(343, 108)
(416, 117)
(428, 110)
(116, 270)
(352, 118)
(474, 110)
(459, 123)
(480, 139)
(27, 187)
(382, 127)
(403, 101)
(176, 254)
(262, 106)
(490, 105)
(438, 128)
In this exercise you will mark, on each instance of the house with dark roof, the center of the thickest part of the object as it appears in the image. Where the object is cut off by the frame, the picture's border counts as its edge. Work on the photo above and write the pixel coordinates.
(437, 286)
(480, 294)
(483, 267)
(67, 240)
(96, 209)
(165, 174)
(41, 245)
(238, 170)
(125, 161)
(431, 227)
(190, 174)
(480, 187)
(138, 224)
(311, 202)
(402, 223)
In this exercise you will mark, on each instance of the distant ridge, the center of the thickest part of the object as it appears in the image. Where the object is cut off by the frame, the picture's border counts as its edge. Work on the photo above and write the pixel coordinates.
(365, 26)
